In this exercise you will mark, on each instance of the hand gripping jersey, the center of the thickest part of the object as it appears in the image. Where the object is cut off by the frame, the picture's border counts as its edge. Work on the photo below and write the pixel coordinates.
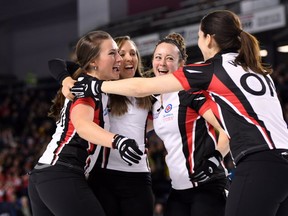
(187, 137)
(132, 124)
(246, 103)
(66, 145)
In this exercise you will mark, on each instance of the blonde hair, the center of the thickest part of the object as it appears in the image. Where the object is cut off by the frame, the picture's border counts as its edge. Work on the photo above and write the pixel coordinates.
(119, 104)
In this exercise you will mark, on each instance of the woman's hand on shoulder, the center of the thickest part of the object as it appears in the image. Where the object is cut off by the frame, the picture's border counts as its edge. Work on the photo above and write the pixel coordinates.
(68, 83)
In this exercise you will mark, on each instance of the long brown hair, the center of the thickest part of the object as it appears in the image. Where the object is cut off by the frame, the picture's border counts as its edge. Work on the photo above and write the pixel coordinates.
(119, 104)
(87, 49)
(227, 30)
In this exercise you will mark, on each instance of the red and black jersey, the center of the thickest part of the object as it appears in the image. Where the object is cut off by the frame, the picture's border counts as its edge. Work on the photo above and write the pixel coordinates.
(187, 137)
(66, 145)
(246, 103)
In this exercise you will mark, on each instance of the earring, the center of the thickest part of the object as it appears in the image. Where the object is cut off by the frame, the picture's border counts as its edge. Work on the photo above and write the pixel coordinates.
(96, 68)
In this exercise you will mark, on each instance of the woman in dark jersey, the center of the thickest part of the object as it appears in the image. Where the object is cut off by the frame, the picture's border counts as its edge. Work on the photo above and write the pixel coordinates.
(57, 184)
(121, 189)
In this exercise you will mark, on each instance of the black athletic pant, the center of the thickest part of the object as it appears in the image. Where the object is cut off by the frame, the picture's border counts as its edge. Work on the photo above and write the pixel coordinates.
(123, 193)
(260, 185)
(61, 191)
(205, 200)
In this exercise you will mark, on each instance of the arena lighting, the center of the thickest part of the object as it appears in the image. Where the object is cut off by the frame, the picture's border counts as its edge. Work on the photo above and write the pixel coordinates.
(283, 49)
(263, 53)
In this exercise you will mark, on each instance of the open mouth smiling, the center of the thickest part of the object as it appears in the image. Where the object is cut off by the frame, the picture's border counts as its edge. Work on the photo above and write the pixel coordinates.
(163, 71)
(116, 69)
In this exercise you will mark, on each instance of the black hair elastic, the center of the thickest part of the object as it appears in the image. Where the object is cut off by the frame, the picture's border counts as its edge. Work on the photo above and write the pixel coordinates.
(168, 40)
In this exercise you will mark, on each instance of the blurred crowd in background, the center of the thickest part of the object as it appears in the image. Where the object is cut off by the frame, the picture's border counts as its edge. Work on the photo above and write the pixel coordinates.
(25, 130)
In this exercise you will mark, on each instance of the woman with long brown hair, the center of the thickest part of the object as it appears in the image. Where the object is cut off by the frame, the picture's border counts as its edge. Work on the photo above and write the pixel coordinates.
(121, 189)
(57, 184)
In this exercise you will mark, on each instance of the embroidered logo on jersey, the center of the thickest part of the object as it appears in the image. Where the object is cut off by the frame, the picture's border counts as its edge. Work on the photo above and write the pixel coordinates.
(168, 116)
(168, 108)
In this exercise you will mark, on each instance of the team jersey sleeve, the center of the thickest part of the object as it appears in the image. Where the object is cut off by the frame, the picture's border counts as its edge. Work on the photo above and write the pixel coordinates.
(195, 76)
(182, 78)
(72, 67)
(87, 101)
(205, 106)
(61, 69)
(195, 99)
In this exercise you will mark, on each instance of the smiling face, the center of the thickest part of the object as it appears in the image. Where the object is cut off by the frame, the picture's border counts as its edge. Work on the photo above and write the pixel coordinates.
(109, 61)
(130, 61)
(165, 59)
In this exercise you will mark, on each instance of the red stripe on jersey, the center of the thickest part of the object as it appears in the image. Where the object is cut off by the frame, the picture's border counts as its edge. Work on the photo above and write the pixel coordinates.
(190, 124)
(106, 153)
(69, 128)
(88, 161)
(206, 105)
(221, 89)
(180, 76)
(68, 133)
(209, 104)
(150, 116)
(204, 108)
(91, 148)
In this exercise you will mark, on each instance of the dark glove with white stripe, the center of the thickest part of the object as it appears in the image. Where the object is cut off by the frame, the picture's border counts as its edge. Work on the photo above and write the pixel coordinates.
(87, 87)
(128, 149)
(207, 167)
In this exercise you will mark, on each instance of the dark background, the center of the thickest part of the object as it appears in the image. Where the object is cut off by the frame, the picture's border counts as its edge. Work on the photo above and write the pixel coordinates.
(33, 31)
